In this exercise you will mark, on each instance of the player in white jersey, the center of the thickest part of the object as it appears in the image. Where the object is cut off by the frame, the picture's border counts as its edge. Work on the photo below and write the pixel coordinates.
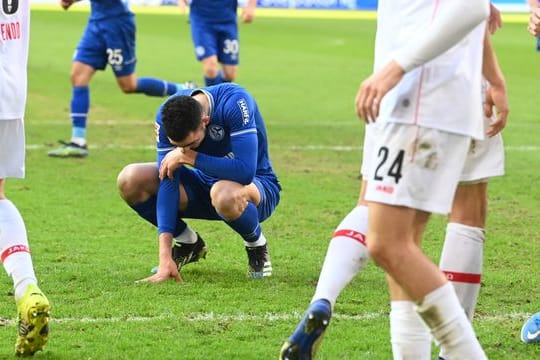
(416, 101)
(32, 306)
(347, 252)
(423, 104)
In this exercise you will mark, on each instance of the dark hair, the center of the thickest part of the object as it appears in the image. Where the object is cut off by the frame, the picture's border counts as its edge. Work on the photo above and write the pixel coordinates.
(181, 115)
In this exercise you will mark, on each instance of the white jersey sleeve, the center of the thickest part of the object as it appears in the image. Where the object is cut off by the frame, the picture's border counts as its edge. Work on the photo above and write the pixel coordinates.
(14, 42)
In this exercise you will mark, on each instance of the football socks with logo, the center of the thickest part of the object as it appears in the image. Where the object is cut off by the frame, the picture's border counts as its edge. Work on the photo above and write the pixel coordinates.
(14, 250)
(346, 255)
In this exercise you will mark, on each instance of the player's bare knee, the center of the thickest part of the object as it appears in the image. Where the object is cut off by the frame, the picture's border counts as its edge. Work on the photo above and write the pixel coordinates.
(229, 204)
(380, 253)
(211, 72)
(127, 183)
(78, 79)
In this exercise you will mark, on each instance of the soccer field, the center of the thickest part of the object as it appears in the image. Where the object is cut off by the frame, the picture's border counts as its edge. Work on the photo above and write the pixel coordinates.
(89, 247)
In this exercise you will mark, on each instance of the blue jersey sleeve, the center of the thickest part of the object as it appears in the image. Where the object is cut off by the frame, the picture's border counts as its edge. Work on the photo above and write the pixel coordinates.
(240, 116)
(168, 195)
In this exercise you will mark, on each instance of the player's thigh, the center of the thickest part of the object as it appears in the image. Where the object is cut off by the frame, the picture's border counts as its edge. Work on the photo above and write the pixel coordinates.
(119, 36)
(405, 226)
(12, 149)
(136, 182)
(415, 167)
(228, 45)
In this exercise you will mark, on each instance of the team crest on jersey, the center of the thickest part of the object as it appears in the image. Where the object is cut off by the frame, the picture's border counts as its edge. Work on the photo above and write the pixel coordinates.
(10, 6)
(216, 132)
(199, 50)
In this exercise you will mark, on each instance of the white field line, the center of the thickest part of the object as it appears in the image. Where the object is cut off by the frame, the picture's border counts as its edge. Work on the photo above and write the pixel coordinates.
(150, 123)
(338, 148)
(241, 317)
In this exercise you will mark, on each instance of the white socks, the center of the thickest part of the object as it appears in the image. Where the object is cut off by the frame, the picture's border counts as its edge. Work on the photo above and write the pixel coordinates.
(441, 311)
(461, 261)
(188, 236)
(345, 257)
(259, 242)
(411, 339)
(14, 250)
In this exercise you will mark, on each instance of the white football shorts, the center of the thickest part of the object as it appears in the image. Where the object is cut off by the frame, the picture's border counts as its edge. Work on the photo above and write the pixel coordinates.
(485, 159)
(413, 166)
(12, 149)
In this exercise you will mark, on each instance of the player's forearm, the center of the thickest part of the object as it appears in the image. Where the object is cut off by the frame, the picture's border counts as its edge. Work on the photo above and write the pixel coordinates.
(236, 170)
(447, 29)
(532, 4)
(165, 245)
(167, 206)
(491, 69)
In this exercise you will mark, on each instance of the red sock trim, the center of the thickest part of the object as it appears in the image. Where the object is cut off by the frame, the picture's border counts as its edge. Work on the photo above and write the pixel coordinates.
(355, 235)
(12, 250)
(463, 277)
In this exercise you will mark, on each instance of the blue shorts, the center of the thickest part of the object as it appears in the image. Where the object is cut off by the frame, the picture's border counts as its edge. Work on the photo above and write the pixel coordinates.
(538, 44)
(198, 185)
(215, 39)
(109, 41)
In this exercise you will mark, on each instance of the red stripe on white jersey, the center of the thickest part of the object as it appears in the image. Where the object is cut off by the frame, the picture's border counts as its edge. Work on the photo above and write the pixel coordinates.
(353, 234)
(463, 277)
(12, 250)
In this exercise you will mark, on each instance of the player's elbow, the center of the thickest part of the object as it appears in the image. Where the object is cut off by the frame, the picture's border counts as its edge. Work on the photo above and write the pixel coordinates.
(246, 177)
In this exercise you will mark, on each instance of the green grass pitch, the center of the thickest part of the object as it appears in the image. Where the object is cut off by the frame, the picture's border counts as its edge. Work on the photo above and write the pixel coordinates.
(89, 247)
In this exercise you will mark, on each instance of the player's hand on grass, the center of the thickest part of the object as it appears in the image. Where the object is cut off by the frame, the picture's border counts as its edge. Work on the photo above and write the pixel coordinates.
(174, 159)
(373, 89)
(167, 269)
(496, 101)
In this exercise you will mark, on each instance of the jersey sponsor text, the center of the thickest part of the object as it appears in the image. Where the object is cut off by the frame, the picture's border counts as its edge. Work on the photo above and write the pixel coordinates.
(10, 31)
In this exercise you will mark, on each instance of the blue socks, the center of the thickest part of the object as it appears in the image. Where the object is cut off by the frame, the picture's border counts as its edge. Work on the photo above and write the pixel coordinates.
(80, 103)
(217, 80)
(247, 225)
(155, 87)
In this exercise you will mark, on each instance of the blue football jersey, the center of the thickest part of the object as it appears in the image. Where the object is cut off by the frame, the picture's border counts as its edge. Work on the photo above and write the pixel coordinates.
(103, 9)
(235, 147)
(214, 11)
(233, 113)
